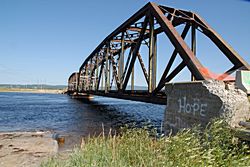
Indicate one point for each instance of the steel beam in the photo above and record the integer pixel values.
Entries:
(115, 74)
(121, 61)
(97, 73)
(133, 79)
(100, 76)
(193, 45)
(136, 29)
(90, 74)
(107, 71)
(125, 41)
(152, 56)
(103, 80)
(86, 78)
(143, 67)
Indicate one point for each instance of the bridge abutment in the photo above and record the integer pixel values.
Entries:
(198, 102)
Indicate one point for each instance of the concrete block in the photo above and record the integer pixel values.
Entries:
(198, 102)
(243, 80)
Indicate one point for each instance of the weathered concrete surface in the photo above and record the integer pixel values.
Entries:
(26, 149)
(198, 102)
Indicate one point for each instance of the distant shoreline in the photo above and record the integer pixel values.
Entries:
(52, 91)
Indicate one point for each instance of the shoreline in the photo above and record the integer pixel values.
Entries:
(26, 148)
(24, 90)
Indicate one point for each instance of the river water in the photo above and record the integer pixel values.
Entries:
(70, 117)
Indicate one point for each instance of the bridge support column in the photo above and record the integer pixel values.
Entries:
(200, 101)
(152, 56)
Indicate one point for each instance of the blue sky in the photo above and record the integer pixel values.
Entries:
(44, 41)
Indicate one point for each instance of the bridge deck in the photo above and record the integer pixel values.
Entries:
(137, 95)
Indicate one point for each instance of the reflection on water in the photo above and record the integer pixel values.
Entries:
(61, 114)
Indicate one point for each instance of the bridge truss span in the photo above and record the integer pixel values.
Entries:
(108, 70)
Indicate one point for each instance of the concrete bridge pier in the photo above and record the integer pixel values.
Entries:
(198, 102)
(82, 97)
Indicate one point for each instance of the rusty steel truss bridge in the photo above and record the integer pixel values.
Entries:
(108, 70)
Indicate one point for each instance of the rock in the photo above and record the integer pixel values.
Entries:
(235, 105)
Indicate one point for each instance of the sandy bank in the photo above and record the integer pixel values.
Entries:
(53, 91)
(26, 149)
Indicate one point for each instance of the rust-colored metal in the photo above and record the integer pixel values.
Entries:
(106, 62)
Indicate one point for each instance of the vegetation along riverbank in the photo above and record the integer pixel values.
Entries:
(214, 146)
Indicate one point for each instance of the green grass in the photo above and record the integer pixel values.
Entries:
(214, 146)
